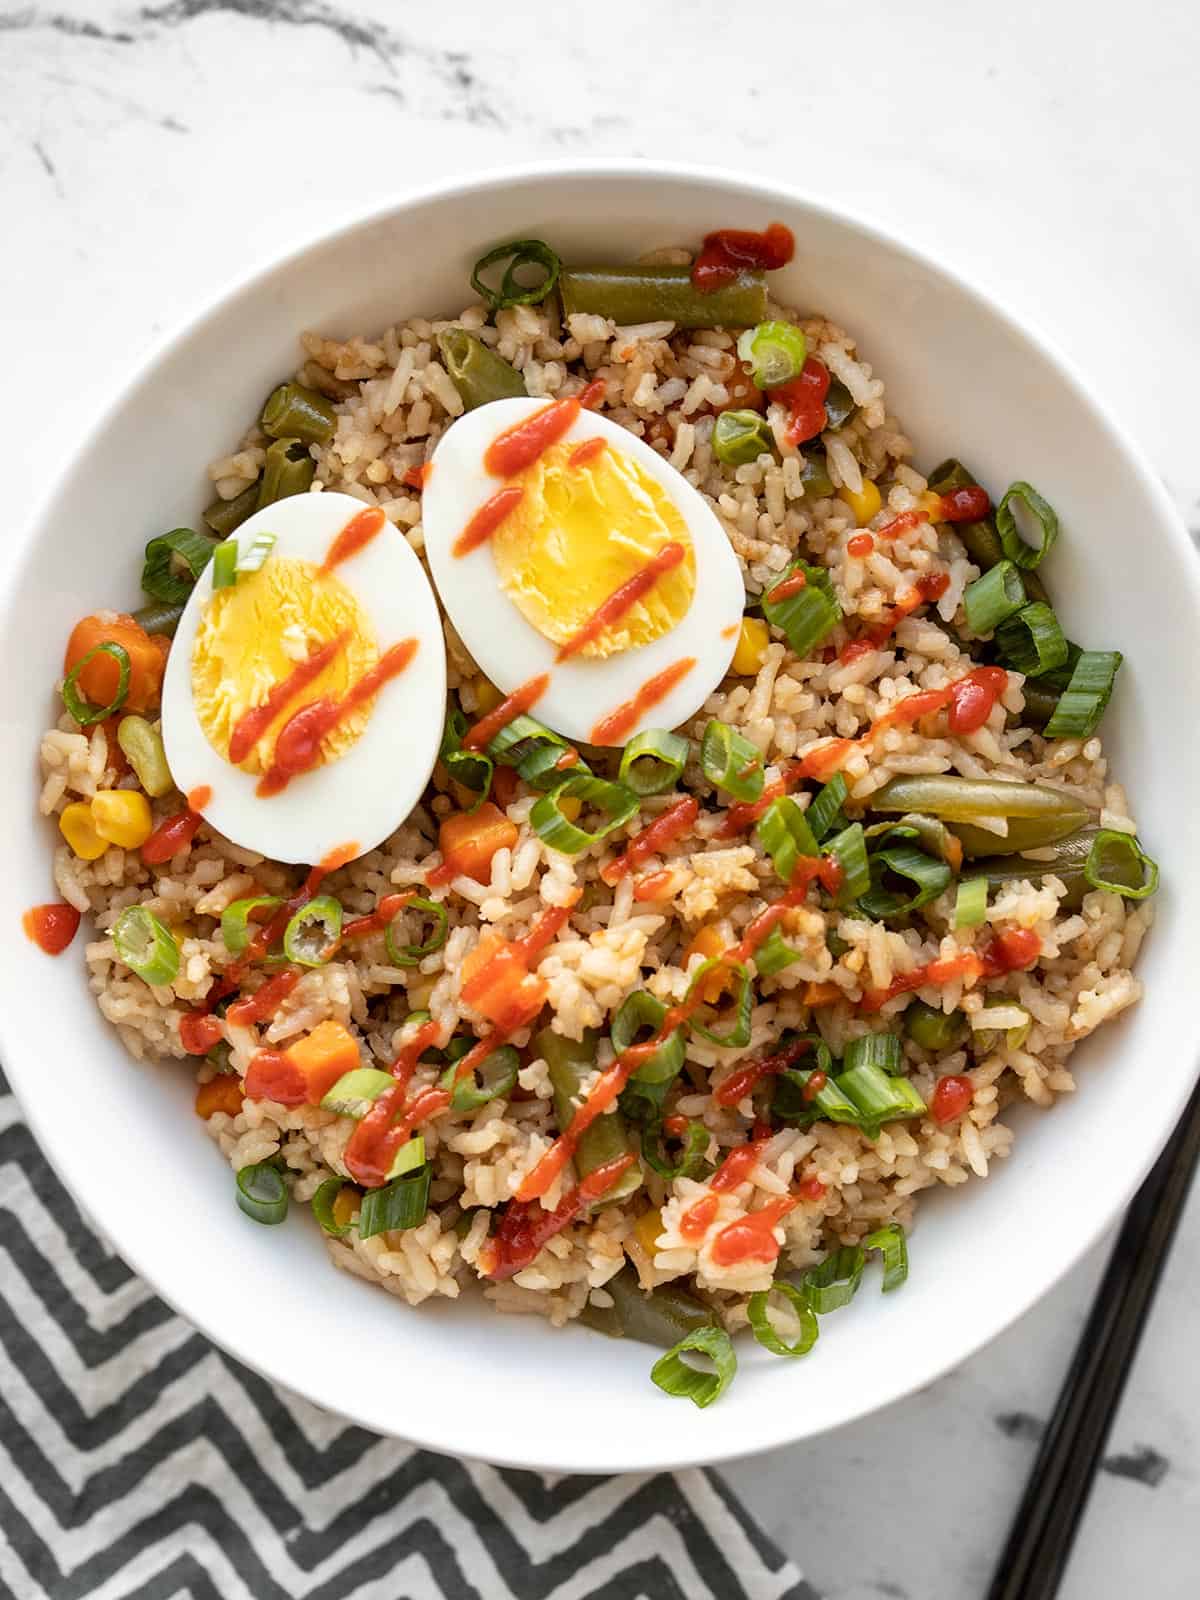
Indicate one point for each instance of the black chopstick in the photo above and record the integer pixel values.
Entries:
(1043, 1530)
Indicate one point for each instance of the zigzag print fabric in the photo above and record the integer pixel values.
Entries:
(140, 1463)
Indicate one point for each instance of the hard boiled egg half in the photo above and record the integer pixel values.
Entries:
(303, 701)
(596, 511)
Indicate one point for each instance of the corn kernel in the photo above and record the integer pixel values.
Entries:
(571, 805)
(487, 696)
(865, 504)
(122, 816)
(710, 943)
(646, 1230)
(931, 504)
(751, 651)
(79, 830)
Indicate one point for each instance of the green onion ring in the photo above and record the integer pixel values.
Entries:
(996, 595)
(825, 812)
(1041, 512)
(849, 850)
(764, 1331)
(775, 352)
(548, 822)
(970, 902)
(646, 1090)
(173, 563)
(511, 292)
(1085, 699)
(808, 615)
(675, 1376)
(494, 1078)
(653, 761)
(738, 1035)
(740, 437)
(1031, 641)
(906, 861)
(691, 1161)
(773, 954)
(224, 565)
(322, 913)
(785, 835)
(253, 558)
(834, 1282)
(83, 712)
(322, 1207)
(410, 955)
(1113, 854)
(399, 1205)
(882, 1050)
(891, 1244)
(731, 762)
(146, 945)
(262, 1193)
(235, 919)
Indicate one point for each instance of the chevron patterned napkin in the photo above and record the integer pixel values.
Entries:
(141, 1463)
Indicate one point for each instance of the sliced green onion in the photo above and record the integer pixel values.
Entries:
(1085, 699)
(400, 1204)
(146, 945)
(235, 919)
(764, 1330)
(1117, 863)
(262, 1193)
(643, 1013)
(519, 253)
(773, 954)
(690, 1162)
(879, 1097)
(794, 1102)
(143, 747)
(992, 598)
(740, 437)
(1031, 640)
(834, 1282)
(252, 559)
(893, 1247)
(542, 768)
(409, 955)
(294, 412)
(408, 1159)
(311, 937)
(785, 835)
(931, 833)
(738, 1033)
(513, 742)
(83, 712)
(970, 902)
(775, 352)
(322, 1207)
(1060, 677)
(173, 563)
(931, 1028)
(675, 1376)
(808, 614)
(1039, 518)
(471, 768)
(882, 1050)
(849, 850)
(730, 762)
(356, 1091)
(612, 799)
(494, 1078)
(224, 565)
(903, 861)
(653, 760)
(825, 812)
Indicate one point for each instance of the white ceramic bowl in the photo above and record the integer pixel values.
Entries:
(457, 1377)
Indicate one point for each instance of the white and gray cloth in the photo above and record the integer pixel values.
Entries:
(138, 1462)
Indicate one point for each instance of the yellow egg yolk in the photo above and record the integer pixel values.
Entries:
(579, 533)
(253, 637)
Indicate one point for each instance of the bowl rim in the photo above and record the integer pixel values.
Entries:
(773, 1430)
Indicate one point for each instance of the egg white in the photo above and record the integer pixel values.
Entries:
(365, 795)
(510, 650)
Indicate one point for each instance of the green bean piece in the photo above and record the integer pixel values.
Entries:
(157, 618)
(1067, 864)
(931, 1027)
(226, 516)
(981, 540)
(143, 747)
(1036, 815)
(662, 1317)
(571, 1062)
(660, 293)
(289, 470)
(294, 412)
(478, 373)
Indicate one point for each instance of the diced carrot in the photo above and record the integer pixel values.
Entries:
(219, 1094)
(822, 994)
(322, 1056)
(710, 943)
(98, 680)
(468, 841)
(504, 786)
(495, 981)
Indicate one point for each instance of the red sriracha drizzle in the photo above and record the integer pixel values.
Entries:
(728, 251)
(355, 536)
(615, 728)
(952, 1095)
(526, 1226)
(805, 400)
(623, 598)
(51, 927)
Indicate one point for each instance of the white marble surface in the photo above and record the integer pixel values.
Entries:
(151, 153)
